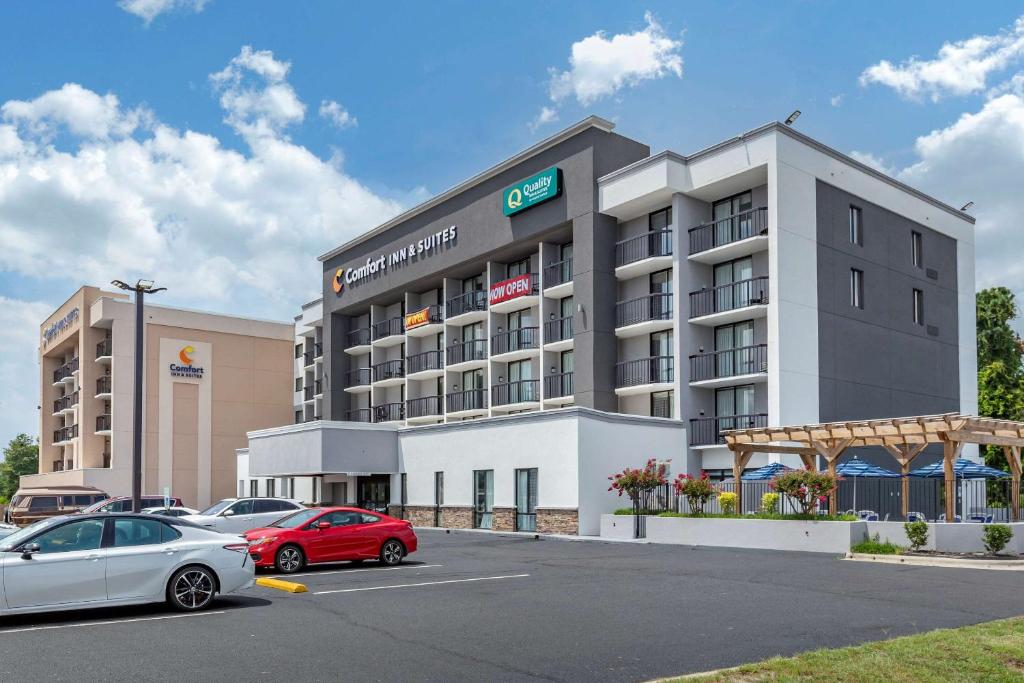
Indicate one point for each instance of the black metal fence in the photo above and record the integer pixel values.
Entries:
(559, 385)
(653, 370)
(515, 340)
(729, 297)
(470, 399)
(558, 273)
(359, 337)
(462, 352)
(643, 309)
(558, 329)
(745, 360)
(388, 328)
(705, 431)
(640, 247)
(521, 391)
(466, 303)
(728, 230)
(392, 369)
(424, 406)
(427, 360)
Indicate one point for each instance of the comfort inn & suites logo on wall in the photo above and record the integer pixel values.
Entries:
(338, 281)
(533, 191)
(186, 368)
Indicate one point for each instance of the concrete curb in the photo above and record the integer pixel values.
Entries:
(948, 562)
(530, 535)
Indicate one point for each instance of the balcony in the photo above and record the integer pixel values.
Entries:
(58, 465)
(741, 300)
(425, 322)
(425, 409)
(558, 279)
(722, 368)
(357, 342)
(318, 387)
(358, 415)
(516, 395)
(307, 359)
(307, 393)
(425, 365)
(389, 412)
(644, 375)
(466, 403)
(358, 381)
(66, 372)
(103, 387)
(103, 424)
(558, 389)
(730, 238)
(467, 355)
(65, 403)
(558, 334)
(389, 373)
(643, 254)
(104, 351)
(512, 345)
(318, 351)
(466, 308)
(65, 434)
(514, 293)
(644, 315)
(707, 431)
(389, 332)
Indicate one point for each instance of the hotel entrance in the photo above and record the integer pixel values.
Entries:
(374, 492)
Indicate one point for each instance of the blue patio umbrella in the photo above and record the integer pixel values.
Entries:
(769, 471)
(962, 469)
(857, 469)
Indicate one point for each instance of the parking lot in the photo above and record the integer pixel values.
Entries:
(473, 606)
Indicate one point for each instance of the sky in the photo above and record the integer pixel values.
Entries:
(218, 147)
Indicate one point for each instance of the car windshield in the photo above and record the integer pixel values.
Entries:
(296, 520)
(95, 507)
(217, 507)
(18, 537)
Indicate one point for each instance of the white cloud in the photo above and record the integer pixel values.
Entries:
(869, 159)
(545, 116)
(148, 10)
(81, 112)
(19, 337)
(836, 100)
(961, 68)
(256, 96)
(337, 114)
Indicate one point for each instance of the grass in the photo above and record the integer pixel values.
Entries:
(763, 515)
(876, 547)
(993, 651)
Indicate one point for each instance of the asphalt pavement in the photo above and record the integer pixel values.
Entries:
(481, 607)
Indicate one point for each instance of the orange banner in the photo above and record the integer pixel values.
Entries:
(421, 317)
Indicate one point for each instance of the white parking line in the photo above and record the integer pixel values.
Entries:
(112, 622)
(353, 571)
(425, 583)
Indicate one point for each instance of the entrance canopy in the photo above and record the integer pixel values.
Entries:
(904, 437)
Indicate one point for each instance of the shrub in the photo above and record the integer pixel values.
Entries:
(635, 481)
(807, 487)
(769, 503)
(728, 501)
(996, 536)
(874, 546)
(697, 491)
(917, 534)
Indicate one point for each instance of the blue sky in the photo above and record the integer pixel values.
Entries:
(226, 188)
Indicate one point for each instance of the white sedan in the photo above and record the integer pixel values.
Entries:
(170, 512)
(105, 560)
(236, 515)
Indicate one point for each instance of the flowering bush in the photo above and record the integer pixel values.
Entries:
(728, 501)
(769, 503)
(806, 487)
(697, 491)
(634, 481)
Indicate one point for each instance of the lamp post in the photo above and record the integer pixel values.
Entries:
(141, 288)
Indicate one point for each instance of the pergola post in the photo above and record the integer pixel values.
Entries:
(950, 452)
(1012, 454)
(905, 454)
(740, 458)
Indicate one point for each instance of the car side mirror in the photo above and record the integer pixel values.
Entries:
(227, 513)
(323, 525)
(28, 550)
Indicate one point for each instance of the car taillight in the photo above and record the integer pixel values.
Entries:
(237, 547)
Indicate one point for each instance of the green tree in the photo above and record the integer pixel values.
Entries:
(1000, 368)
(21, 456)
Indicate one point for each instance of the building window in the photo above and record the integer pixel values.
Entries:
(298, 384)
(661, 403)
(254, 488)
(526, 499)
(660, 220)
(483, 499)
(270, 488)
(298, 417)
(856, 288)
(917, 249)
(856, 226)
(298, 350)
(918, 307)
(520, 267)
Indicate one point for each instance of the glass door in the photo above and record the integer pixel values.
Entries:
(520, 388)
(661, 294)
(736, 227)
(483, 503)
(728, 338)
(526, 499)
(731, 273)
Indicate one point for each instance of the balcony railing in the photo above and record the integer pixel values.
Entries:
(318, 387)
(470, 399)
(558, 273)
(65, 402)
(427, 360)
(65, 433)
(66, 370)
(103, 384)
(435, 315)
(388, 328)
(461, 352)
(58, 465)
(466, 303)
(360, 377)
(104, 348)
(307, 358)
(745, 360)
(729, 297)
(728, 230)
(519, 391)
(520, 339)
(389, 412)
(557, 386)
(102, 423)
(358, 415)
(424, 406)
(307, 393)
(654, 370)
(358, 337)
(705, 431)
(558, 329)
(647, 245)
(318, 350)
(392, 369)
(643, 309)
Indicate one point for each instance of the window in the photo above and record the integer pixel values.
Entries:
(729, 360)
(84, 535)
(566, 361)
(298, 417)
(520, 267)
(731, 219)
(298, 350)
(368, 519)
(734, 401)
(856, 288)
(483, 499)
(129, 532)
(660, 220)
(526, 499)
(243, 507)
(565, 251)
(473, 284)
(270, 488)
(661, 403)
(254, 487)
(917, 249)
(298, 384)
(262, 506)
(918, 307)
(660, 286)
(341, 518)
(43, 503)
(856, 226)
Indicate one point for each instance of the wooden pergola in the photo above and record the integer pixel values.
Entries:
(904, 437)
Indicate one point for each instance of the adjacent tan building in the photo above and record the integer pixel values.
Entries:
(208, 380)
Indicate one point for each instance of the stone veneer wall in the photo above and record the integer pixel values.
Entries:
(558, 521)
(549, 520)
(503, 519)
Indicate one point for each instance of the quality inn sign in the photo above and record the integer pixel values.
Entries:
(532, 191)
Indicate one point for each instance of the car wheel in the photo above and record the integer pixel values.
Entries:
(289, 560)
(391, 552)
(192, 589)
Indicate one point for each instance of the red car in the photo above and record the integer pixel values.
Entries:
(330, 535)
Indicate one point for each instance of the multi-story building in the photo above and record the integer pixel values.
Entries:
(208, 379)
(586, 282)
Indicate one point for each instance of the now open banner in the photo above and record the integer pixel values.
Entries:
(515, 287)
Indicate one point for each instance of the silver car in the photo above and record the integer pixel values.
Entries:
(235, 515)
(104, 560)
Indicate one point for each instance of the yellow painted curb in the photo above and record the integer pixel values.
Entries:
(286, 586)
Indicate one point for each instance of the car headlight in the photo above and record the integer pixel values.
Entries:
(260, 541)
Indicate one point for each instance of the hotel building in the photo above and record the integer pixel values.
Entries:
(493, 354)
(208, 380)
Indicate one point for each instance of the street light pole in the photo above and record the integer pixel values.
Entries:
(140, 289)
